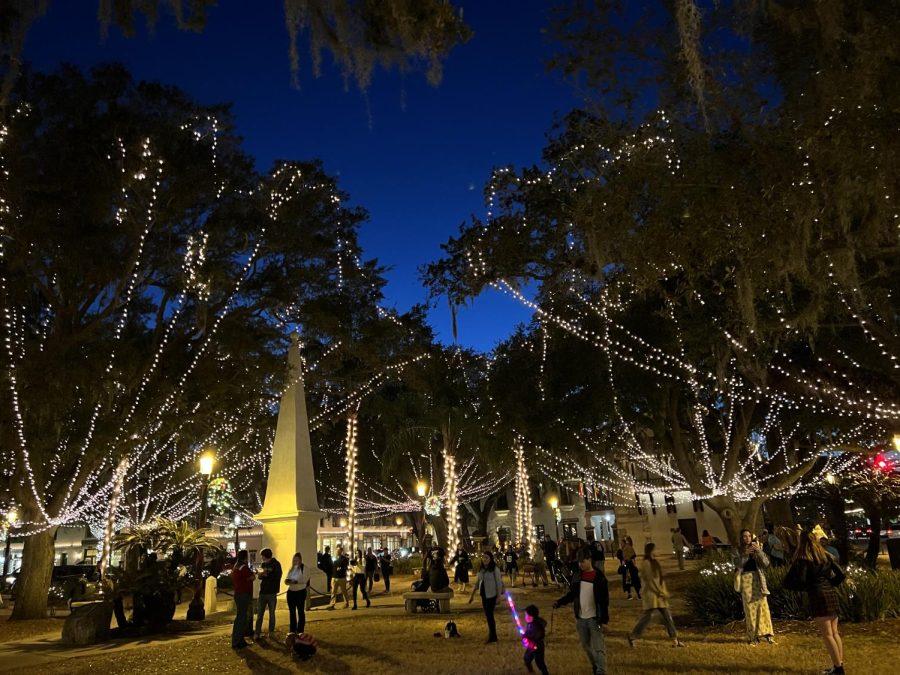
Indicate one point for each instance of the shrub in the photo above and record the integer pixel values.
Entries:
(409, 565)
(864, 596)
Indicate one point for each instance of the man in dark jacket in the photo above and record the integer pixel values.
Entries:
(339, 583)
(269, 584)
(549, 547)
(387, 569)
(590, 593)
(371, 566)
(326, 564)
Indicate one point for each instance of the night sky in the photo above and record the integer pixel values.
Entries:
(416, 157)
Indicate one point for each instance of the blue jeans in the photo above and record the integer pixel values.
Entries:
(591, 636)
(266, 600)
(239, 628)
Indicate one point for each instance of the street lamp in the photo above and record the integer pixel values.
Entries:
(897, 442)
(422, 489)
(398, 521)
(829, 478)
(196, 610)
(11, 517)
(207, 461)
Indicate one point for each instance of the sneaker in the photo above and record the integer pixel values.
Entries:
(678, 643)
(368, 603)
(490, 640)
(631, 642)
(771, 640)
(241, 645)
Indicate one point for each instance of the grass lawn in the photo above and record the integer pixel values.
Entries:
(384, 640)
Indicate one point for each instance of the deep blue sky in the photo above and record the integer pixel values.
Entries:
(416, 157)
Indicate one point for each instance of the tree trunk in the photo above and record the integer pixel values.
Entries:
(34, 581)
(874, 547)
(418, 523)
(735, 516)
(779, 512)
(838, 521)
(440, 530)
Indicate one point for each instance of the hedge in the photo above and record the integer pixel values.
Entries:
(864, 596)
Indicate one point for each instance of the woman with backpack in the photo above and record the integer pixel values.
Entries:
(814, 572)
(490, 584)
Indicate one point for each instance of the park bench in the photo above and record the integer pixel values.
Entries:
(442, 599)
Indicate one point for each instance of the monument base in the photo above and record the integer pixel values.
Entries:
(290, 533)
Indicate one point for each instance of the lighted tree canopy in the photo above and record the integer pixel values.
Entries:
(729, 263)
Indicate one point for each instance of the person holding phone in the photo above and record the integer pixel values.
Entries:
(750, 581)
(297, 581)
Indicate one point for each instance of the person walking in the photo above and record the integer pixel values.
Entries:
(242, 580)
(539, 567)
(326, 564)
(590, 594)
(750, 581)
(549, 547)
(371, 561)
(656, 597)
(776, 552)
(678, 543)
(358, 574)
(387, 569)
(339, 582)
(489, 584)
(269, 583)
(815, 572)
(461, 572)
(631, 578)
(533, 640)
(512, 564)
(297, 581)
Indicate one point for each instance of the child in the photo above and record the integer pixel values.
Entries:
(534, 639)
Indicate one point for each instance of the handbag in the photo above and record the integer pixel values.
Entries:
(621, 569)
(836, 575)
(377, 576)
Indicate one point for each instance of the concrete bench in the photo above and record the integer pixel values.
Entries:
(443, 600)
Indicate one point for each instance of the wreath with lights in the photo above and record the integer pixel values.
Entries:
(220, 497)
(433, 505)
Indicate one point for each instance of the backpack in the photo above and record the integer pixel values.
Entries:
(450, 630)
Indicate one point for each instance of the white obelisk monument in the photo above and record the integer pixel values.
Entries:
(290, 513)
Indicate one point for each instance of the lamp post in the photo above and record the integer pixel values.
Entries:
(196, 610)
(11, 517)
(422, 490)
(207, 461)
(554, 504)
(237, 528)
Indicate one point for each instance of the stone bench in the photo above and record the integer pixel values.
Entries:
(443, 600)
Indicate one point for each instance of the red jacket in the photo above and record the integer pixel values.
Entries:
(242, 579)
